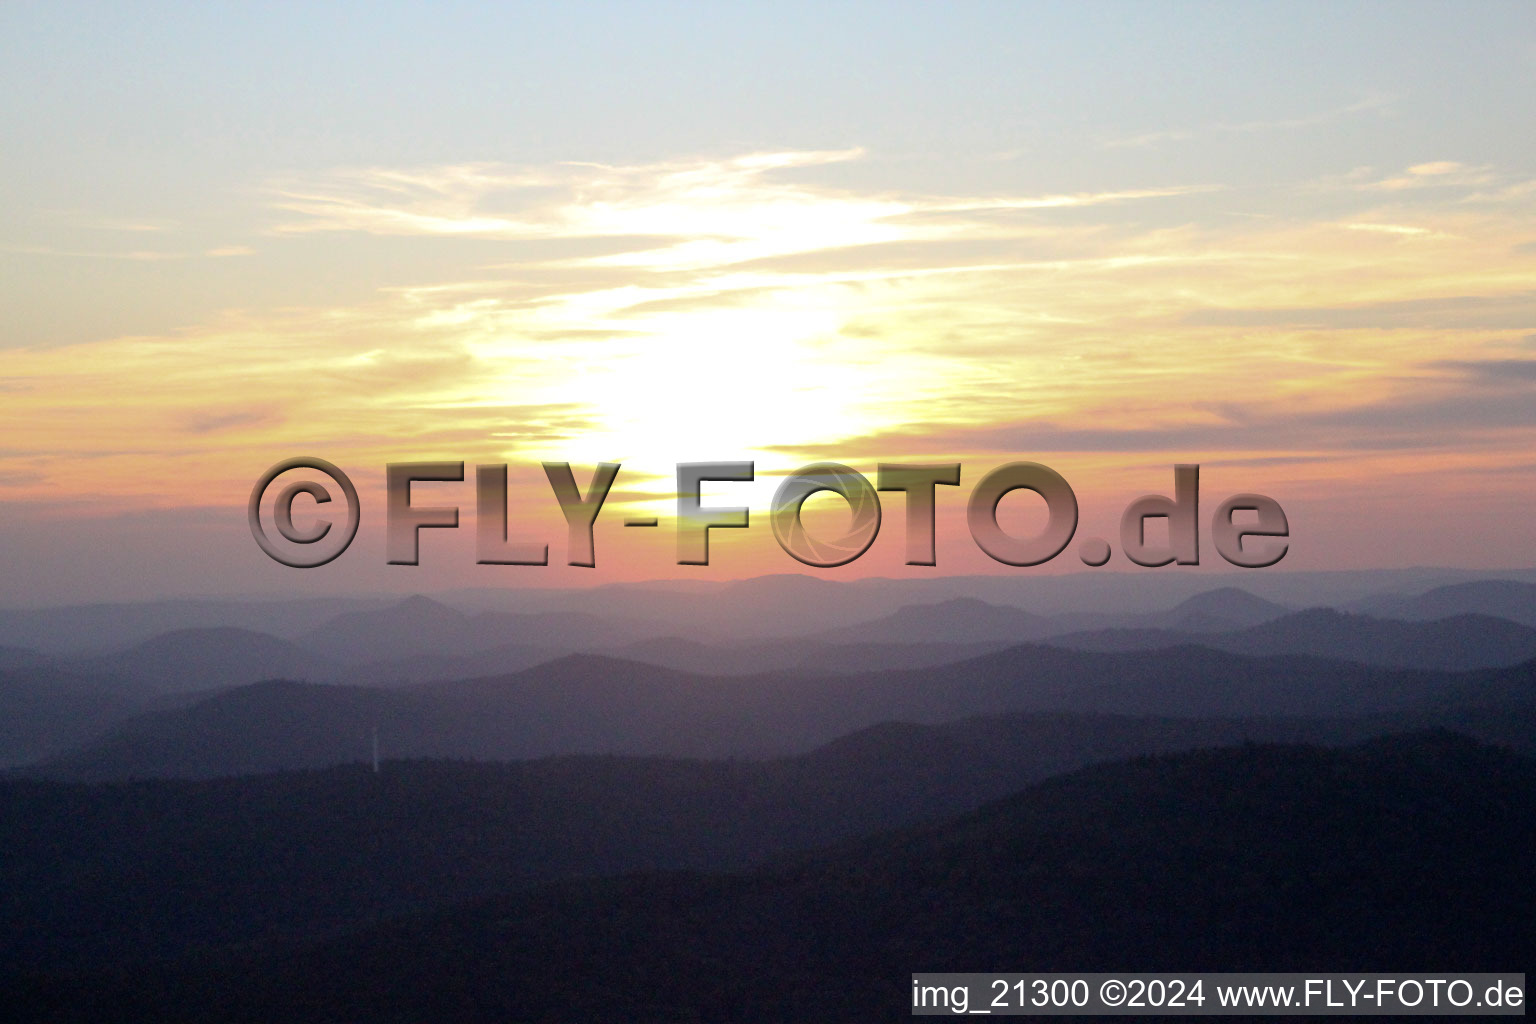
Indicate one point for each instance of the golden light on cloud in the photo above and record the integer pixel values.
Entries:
(737, 309)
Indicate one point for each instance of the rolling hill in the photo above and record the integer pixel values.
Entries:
(959, 620)
(1460, 643)
(1405, 854)
(592, 704)
(420, 626)
(1506, 599)
(1221, 609)
(299, 851)
(45, 712)
(208, 659)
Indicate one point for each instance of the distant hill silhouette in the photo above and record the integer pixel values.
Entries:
(801, 604)
(854, 658)
(1224, 608)
(1505, 599)
(791, 604)
(592, 704)
(959, 620)
(1459, 643)
(208, 659)
(1406, 854)
(421, 640)
(800, 654)
(421, 626)
(88, 629)
(967, 620)
(430, 668)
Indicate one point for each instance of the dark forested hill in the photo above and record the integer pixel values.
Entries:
(105, 871)
(45, 712)
(1407, 854)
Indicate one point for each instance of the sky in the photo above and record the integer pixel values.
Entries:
(1294, 244)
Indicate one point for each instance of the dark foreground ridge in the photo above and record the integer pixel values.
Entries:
(1407, 853)
(101, 873)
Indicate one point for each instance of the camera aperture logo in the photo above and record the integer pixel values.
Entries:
(1261, 540)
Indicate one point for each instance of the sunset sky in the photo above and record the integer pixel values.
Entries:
(1295, 244)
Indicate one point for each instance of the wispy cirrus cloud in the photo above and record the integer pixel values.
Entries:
(753, 307)
(674, 216)
(1452, 405)
(1434, 174)
(1513, 311)
(1376, 102)
(132, 255)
